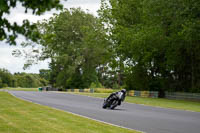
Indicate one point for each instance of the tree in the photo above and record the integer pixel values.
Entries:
(10, 31)
(45, 73)
(29, 80)
(158, 42)
(1, 84)
(77, 44)
(6, 78)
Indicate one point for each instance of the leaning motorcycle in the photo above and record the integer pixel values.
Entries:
(110, 102)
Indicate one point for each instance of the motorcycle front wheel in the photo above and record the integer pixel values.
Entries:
(105, 104)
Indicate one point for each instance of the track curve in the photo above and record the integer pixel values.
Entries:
(144, 118)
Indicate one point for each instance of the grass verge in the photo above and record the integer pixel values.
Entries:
(157, 102)
(18, 116)
(20, 89)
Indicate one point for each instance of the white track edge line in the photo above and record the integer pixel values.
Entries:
(78, 114)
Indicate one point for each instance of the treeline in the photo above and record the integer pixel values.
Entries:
(26, 80)
(159, 41)
(134, 44)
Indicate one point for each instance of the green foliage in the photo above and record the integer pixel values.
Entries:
(37, 7)
(103, 90)
(45, 74)
(20, 80)
(96, 85)
(158, 41)
(1, 84)
(6, 78)
(29, 80)
(77, 45)
(116, 86)
(139, 44)
(5, 85)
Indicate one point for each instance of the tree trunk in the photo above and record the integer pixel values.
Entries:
(192, 70)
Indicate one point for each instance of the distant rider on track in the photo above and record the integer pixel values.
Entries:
(115, 96)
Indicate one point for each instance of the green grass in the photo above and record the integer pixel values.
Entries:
(18, 116)
(20, 89)
(158, 102)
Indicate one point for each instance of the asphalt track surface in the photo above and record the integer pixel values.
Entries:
(139, 117)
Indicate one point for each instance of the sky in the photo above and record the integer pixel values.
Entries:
(15, 64)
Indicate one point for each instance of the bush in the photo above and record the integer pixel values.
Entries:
(116, 86)
(1, 84)
(96, 85)
(103, 90)
(5, 85)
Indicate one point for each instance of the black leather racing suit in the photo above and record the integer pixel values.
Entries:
(120, 96)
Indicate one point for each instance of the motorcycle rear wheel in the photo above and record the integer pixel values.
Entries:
(114, 104)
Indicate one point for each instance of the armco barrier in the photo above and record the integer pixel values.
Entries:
(137, 93)
(76, 90)
(153, 94)
(80, 90)
(86, 90)
(131, 93)
(91, 90)
(144, 93)
(182, 95)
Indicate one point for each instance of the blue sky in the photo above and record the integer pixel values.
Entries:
(14, 64)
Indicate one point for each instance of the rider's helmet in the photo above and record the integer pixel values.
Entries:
(124, 91)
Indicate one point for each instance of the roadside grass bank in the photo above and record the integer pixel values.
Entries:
(18, 116)
(156, 102)
(19, 89)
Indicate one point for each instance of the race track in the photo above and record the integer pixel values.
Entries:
(144, 118)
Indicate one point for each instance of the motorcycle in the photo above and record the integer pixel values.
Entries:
(111, 102)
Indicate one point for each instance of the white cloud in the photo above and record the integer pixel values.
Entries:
(17, 14)
(91, 5)
(14, 64)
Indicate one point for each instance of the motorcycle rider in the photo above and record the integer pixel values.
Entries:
(120, 96)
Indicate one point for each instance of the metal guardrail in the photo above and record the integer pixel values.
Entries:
(182, 95)
(152, 94)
